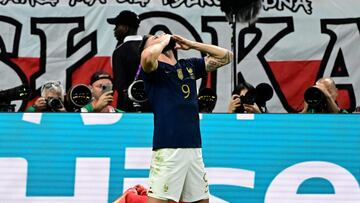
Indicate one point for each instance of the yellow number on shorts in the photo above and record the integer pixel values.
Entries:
(186, 90)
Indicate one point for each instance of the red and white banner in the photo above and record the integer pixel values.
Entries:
(293, 43)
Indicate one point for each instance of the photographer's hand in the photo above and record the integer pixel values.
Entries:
(252, 108)
(234, 103)
(62, 109)
(40, 104)
(306, 108)
(104, 100)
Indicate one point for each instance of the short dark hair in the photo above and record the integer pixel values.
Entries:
(242, 86)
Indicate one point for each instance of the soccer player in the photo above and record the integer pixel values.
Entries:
(177, 169)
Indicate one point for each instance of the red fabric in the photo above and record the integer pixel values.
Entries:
(136, 194)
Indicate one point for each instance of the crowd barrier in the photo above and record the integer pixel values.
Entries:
(272, 158)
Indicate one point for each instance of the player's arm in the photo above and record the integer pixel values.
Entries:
(216, 56)
(149, 57)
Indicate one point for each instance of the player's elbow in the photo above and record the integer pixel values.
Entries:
(147, 62)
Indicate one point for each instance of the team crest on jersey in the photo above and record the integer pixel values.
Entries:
(180, 74)
(191, 73)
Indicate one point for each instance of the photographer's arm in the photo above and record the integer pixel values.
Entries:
(252, 108)
(332, 106)
(234, 103)
(305, 109)
(216, 56)
(104, 100)
(40, 104)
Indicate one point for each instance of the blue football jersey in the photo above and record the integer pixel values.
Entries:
(171, 90)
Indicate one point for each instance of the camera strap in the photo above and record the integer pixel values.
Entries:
(137, 73)
(136, 90)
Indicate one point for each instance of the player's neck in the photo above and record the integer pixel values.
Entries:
(168, 57)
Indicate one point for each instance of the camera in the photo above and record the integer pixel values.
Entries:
(54, 104)
(77, 97)
(136, 91)
(206, 100)
(315, 98)
(16, 93)
(259, 95)
(248, 98)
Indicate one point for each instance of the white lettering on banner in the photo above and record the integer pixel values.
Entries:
(87, 118)
(42, 2)
(91, 182)
(246, 116)
(88, 2)
(31, 2)
(59, 53)
(9, 46)
(190, 3)
(285, 185)
(344, 41)
(142, 3)
(32, 118)
(5, 69)
(292, 5)
(140, 158)
(276, 29)
(100, 118)
(8, 34)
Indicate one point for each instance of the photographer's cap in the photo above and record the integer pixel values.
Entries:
(126, 17)
(100, 75)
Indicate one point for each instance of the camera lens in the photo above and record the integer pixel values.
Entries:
(314, 96)
(80, 95)
(54, 103)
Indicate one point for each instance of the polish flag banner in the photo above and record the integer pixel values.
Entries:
(291, 45)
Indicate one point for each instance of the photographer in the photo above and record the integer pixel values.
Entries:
(321, 98)
(243, 99)
(102, 91)
(51, 100)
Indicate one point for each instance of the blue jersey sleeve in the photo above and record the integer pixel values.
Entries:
(148, 76)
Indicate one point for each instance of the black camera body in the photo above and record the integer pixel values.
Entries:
(21, 92)
(249, 98)
(54, 104)
(259, 95)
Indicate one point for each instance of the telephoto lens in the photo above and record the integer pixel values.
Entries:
(77, 97)
(314, 96)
